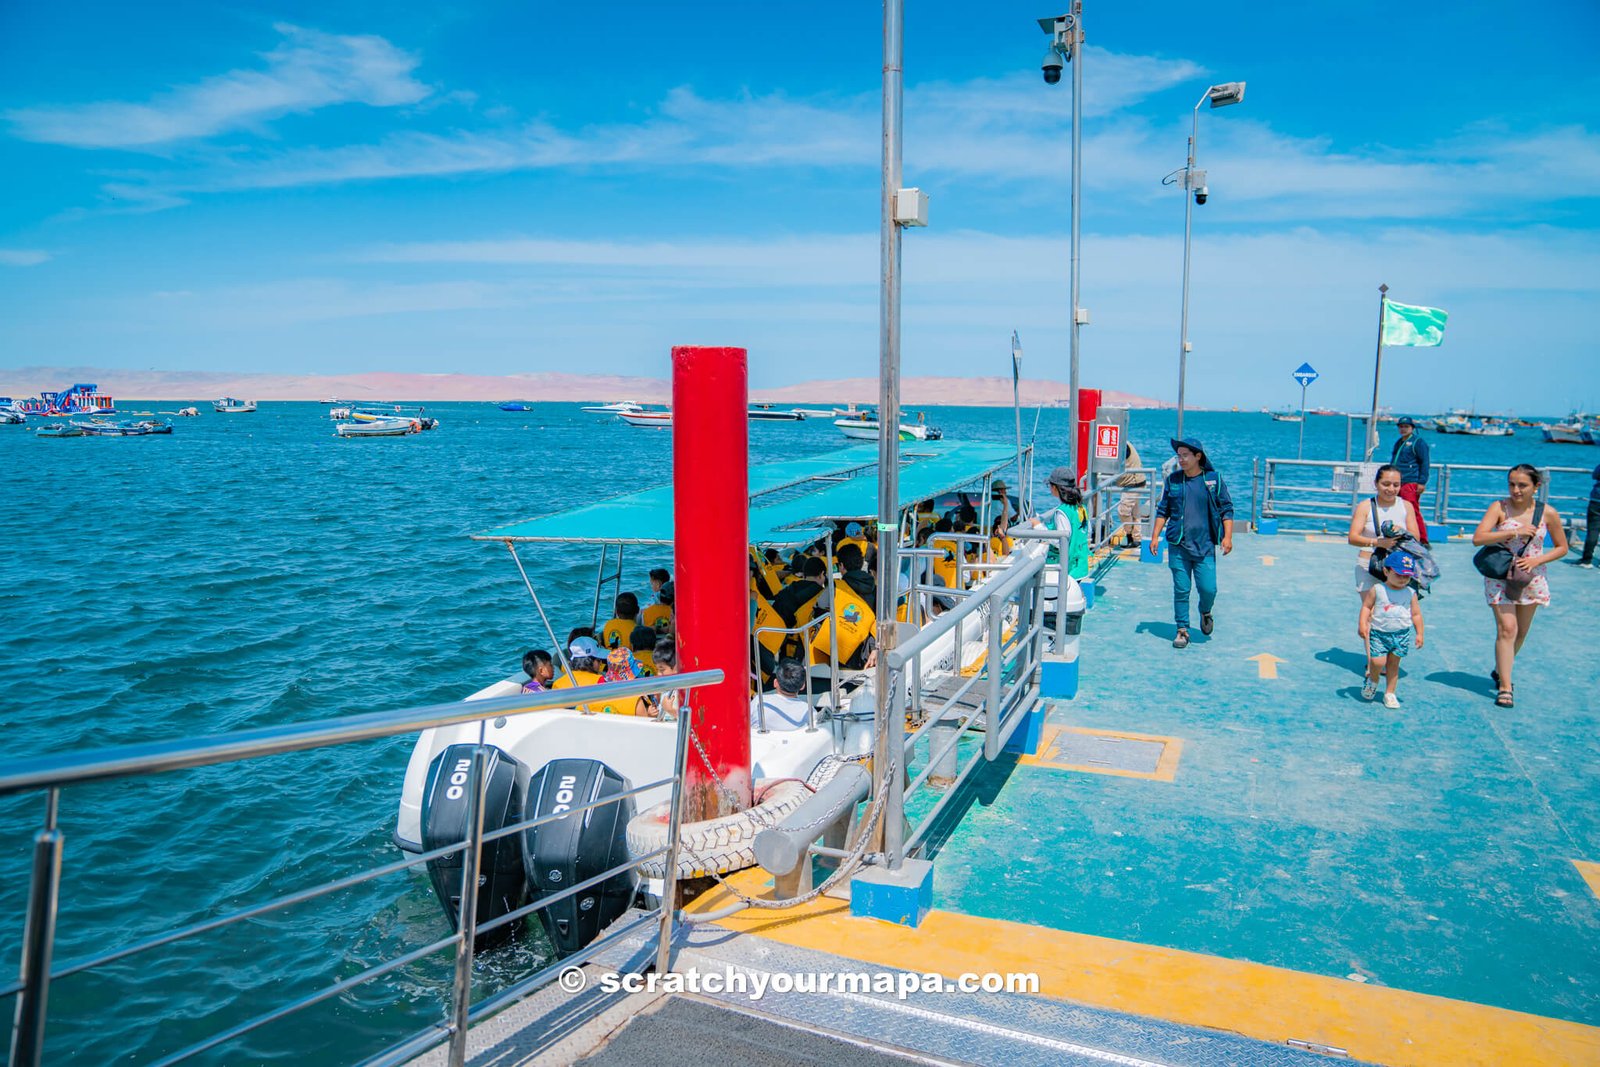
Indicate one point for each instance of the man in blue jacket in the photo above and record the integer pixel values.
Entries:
(1196, 513)
(1410, 454)
(1591, 524)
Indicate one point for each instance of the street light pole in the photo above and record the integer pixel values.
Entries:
(1195, 192)
(1066, 46)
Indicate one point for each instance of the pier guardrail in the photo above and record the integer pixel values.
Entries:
(1323, 493)
(1103, 501)
(1001, 688)
(51, 774)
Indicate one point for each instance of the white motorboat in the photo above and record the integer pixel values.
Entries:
(230, 406)
(598, 747)
(867, 430)
(616, 408)
(767, 413)
(1286, 416)
(650, 420)
(380, 428)
(1489, 428)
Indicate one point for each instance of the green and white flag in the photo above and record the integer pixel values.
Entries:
(1410, 324)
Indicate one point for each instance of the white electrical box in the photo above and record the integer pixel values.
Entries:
(1082, 316)
(911, 207)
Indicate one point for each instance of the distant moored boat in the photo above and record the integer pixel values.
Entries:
(231, 406)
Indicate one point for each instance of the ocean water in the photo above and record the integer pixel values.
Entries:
(253, 570)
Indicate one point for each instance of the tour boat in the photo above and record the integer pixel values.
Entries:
(230, 406)
(397, 427)
(866, 429)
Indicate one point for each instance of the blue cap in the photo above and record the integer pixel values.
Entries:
(852, 529)
(1402, 563)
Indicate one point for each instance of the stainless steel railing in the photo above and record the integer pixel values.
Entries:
(1103, 500)
(1322, 493)
(1010, 608)
(52, 774)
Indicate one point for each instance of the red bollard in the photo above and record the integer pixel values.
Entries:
(711, 530)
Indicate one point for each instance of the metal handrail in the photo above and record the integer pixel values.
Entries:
(52, 773)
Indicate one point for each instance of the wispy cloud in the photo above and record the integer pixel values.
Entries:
(22, 257)
(306, 71)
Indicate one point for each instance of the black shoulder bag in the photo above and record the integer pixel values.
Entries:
(1494, 561)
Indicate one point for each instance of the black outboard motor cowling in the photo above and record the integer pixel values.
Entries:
(562, 853)
(502, 883)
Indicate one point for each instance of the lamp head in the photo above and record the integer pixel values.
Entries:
(1225, 94)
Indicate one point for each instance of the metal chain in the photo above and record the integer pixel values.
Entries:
(729, 797)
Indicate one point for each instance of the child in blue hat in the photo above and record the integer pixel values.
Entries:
(1390, 615)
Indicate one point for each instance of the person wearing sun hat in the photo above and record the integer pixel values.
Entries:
(1196, 513)
(854, 534)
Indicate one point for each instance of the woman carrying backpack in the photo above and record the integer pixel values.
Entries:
(1518, 523)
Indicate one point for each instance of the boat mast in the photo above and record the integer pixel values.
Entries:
(888, 711)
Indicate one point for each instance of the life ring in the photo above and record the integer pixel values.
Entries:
(714, 845)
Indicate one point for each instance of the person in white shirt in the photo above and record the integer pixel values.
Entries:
(785, 708)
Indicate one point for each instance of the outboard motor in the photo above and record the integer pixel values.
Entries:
(573, 849)
(502, 885)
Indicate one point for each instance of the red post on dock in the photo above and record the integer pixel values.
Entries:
(1088, 408)
(711, 530)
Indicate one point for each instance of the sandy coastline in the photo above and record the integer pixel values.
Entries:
(136, 385)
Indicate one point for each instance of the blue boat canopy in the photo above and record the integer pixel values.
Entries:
(791, 501)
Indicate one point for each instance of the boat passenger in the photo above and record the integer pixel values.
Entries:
(536, 664)
(853, 571)
(659, 576)
(785, 708)
(1379, 524)
(793, 599)
(665, 705)
(999, 537)
(615, 634)
(643, 643)
(658, 616)
(1196, 513)
(588, 662)
(580, 631)
(853, 536)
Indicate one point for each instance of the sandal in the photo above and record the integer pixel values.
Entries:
(1503, 699)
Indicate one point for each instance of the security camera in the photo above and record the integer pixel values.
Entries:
(1052, 67)
(1200, 194)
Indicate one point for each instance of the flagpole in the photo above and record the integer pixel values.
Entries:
(1377, 373)
(1016, 400)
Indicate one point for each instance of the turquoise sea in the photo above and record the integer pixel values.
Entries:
(253, 570)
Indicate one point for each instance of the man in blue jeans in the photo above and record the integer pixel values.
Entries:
(1196, 513)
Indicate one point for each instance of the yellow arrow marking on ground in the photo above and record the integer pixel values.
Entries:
(1267, 561)
(1266, 664)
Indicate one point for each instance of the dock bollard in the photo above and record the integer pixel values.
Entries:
(1058, 674)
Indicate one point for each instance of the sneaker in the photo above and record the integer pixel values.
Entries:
(1182, 640)
(1369, 690)
(1390, 700)
(1585, 565)
(1205, 624)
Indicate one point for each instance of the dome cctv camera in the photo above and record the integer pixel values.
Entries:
(1052, 67)
(1200, 194)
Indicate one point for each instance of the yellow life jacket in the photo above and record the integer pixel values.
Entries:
(854, 619)
(588, 678)
(945, 567)
(857, 541)
(999, 546)
(617, 632)
(648, 659)
(658, 617)
(766, 615)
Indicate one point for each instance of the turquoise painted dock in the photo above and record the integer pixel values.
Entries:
(1439, 849)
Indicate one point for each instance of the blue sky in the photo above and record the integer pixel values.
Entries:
(512, 187)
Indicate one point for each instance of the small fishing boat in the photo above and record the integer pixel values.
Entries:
(189, 413)
(339, 414)
(650, 420)
(232, 406)
(59, 429)
(616, 408)
(381, 428)
(9, 417)
(1489, 428)
(515, 405)
(866, 429)
(1286, 416)
(1570, 432)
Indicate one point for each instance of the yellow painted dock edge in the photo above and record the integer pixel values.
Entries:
(1373, 1023)
(1590, 873)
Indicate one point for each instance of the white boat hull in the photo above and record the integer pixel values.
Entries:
(655, 420)
(863, 430)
